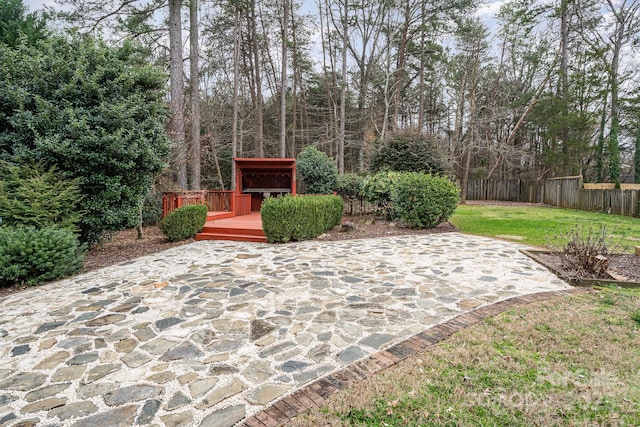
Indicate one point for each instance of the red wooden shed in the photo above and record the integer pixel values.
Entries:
(261, 178)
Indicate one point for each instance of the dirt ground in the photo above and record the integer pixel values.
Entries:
(125, 245)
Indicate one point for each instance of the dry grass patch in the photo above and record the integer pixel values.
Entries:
(571, 361)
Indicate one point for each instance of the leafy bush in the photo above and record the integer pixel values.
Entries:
(298, 218)
(184, 222)
(377, 190)
(97, 113)
(31, 196)
(410, 151)
(152, 209)
(423, 201)
(32, 256)
(316, 172)
(350, 185)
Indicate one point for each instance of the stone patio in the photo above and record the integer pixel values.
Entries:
(212, 333)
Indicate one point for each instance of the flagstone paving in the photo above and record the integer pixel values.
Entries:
(210, 333)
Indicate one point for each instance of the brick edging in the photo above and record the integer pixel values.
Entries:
(315, 393)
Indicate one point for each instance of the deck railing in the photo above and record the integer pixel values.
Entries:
(219, 200)
(215, 200)
(242, 204)
(172, 200)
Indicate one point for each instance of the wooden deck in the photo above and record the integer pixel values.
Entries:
(245, 228)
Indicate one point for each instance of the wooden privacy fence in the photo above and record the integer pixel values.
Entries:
(566, 192)
(358, 206)
(510, 190)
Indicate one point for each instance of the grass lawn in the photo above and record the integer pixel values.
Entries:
(571, 361)
(538, 226)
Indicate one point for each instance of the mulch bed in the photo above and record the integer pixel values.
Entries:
(622, 265)
(125, 245)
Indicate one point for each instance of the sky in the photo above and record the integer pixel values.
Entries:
(487, 11)
(36, 4)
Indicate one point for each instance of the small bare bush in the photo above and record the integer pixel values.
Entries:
(586, 251)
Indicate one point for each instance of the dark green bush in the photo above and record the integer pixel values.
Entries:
(377, 190)
(316, 172)
(32, 256)
(184, 222)
(95, 111)
(33, 196)
(410, 151)
(350, 185)
(423, 201)
(152, 209)
(298, 218)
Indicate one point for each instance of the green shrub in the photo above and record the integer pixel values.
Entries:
(423, 201)
(298, 218)
(152, 209)
(377, 190)
(95, 111)
(33, 196)
(350, 185)
(316, 172)
(32, 256)
(410, 151)
(184, 222)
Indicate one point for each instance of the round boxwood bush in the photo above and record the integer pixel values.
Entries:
(423, 201)
(32, 256)
(184, 222)
(350, 185)
(316, 172)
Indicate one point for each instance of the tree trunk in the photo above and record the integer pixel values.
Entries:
(194, 72)
(236, 100)
(177, 92)
(139, 227)
(343, 90)
(600, 148)
(614, 148)
(283, 82)
(259, 130)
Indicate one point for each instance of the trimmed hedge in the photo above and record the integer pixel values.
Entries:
(423, 201)
(184, 222)
(298, 218)
(33, 256)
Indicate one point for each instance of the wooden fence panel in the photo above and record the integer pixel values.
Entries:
(513, 190)
(566, 192)
(358, 206)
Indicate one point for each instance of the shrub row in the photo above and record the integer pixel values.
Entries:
(32, 256)
(184, 222)
(298, 218)
(419, 200)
